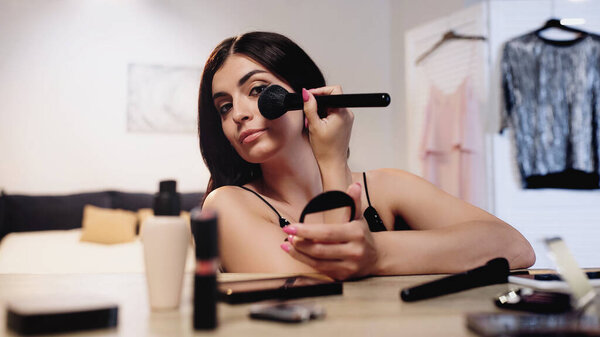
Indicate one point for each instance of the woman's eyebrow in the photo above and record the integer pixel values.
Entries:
(218, 94)
(248, 75)
(240, 82)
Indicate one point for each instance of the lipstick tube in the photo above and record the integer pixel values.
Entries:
(205, 231)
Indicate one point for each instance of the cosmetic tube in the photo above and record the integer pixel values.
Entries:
(166, 238)
(204, 229)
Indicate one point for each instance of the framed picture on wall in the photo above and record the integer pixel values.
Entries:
(162, 99)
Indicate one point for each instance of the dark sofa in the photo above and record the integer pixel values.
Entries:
(23, 213)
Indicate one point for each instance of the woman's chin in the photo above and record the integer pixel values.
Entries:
(258, 156)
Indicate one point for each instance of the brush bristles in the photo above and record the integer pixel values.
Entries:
(271, 102)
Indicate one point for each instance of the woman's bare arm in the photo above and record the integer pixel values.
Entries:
(457, 235)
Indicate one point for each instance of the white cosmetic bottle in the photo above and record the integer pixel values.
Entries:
(165, 238)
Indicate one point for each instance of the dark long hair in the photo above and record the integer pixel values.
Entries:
(281, 56)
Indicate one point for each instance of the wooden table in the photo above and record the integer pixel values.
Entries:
(369, 307)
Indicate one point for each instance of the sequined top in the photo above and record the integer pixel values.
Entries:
(552, 102)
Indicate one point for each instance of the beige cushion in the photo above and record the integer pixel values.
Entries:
(103, 225)
(143, 214)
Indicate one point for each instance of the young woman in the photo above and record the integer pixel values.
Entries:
(263, 173)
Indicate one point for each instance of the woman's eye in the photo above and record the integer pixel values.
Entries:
(256, 91)
(223, 109)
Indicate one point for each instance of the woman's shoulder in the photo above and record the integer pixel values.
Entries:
(234, 203)
(223, 196)
(396, 183)
(387, 175)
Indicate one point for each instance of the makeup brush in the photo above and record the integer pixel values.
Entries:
(494, 272)
(274, 101)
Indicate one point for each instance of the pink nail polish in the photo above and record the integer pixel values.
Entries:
(285, 247)
(290, 230)
(290, 238)
(305, 95)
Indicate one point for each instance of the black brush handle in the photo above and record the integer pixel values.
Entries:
(295, 102)
(354, 100)
(494, 272)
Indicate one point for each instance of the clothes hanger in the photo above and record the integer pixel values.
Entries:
(449, 35)
(555, 23)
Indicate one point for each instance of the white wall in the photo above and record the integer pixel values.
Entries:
(63, 83)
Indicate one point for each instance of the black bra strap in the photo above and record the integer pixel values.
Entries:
(370, 214)
(282, 221)
(366, 189)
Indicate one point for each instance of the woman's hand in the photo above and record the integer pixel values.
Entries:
(339, 250)
(329, 136)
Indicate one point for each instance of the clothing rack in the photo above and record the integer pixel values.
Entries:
(448, 36)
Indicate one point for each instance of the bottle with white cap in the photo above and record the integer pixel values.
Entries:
(165, 237)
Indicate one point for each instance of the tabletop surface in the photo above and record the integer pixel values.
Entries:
(368, 307)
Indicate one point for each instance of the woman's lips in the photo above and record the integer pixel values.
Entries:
(249, 136)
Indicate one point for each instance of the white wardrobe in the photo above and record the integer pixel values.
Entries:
(573, 215)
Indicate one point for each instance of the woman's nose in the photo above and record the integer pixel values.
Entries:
(243, 111)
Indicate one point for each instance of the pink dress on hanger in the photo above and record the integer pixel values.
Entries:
(452, 146)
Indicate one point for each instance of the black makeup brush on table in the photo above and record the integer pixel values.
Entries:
(493, 272)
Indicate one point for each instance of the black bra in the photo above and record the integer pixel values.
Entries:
(370, 214)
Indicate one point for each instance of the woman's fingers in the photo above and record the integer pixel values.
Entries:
(327, 251)
(310, 107)
(339, 250)
(326, 233)
(354, 191)
(329, 90)
(310, 103)
(337, 269)
(320, 251)
(311, 261)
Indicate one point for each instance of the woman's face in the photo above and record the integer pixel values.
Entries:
(236, 88)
